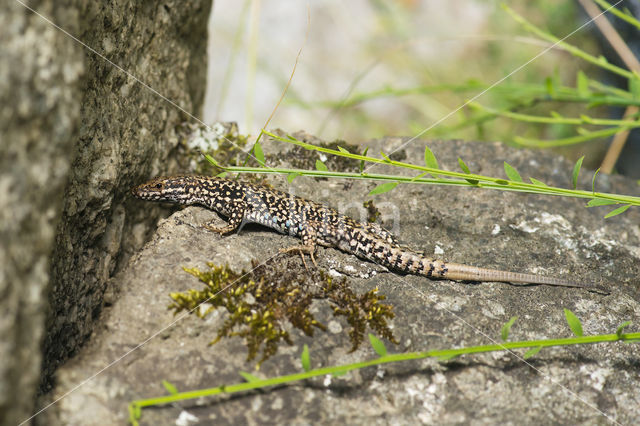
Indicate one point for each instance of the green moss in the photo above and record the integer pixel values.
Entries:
(261, 302)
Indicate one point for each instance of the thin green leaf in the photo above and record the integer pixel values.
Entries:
(382, 188)
(576, 172)
(549, 85)
(248, 377)
(621, 327)
(342, 150)
(362, 161)
(593, 181)
(506, 328)
(512, 173)
(222, 174)
(387, 159)
(465, 169)
(537, 182)
(339, 373)
(502, 182)
(292, 176)
(617, 211)
(430, 159)
(634, 88)
(170, 387)
(257, 151)
(531, 352)
(600, 202)
(378, 346)
(305, 358)
(321, 166)
(574, 322)
(582, 84)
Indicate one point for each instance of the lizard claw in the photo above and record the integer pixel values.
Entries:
(302, 250)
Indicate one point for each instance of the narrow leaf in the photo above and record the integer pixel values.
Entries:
(387, 159)
(465, 169)
(502, 182)
(506, 328)
(170, 387)
(512, 173)
(617, 211)
(248, 377)
(137, 411)
(576, 172)
(291, 176)
(257, 151)
(463, 166)
(305, 358)
(378, 346)
(321, 166)
(593, 181)
(582, 84)
(537, 182)
(574, 322)
(621, 327)
(339, 373)
(342, 150)
(362, 161)
(600, 202)
(549, 85)
(382, 188)
(221, 174)
(531, 352)
(430, 159)
(634, 88)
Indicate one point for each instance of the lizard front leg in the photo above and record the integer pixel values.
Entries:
(237, 211)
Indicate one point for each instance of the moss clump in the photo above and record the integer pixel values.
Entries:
(260, 303)
(373, 214)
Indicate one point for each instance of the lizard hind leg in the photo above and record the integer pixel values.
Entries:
(308, 246)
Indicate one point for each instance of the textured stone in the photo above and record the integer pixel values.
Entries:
(495, 229)
(128, 133)
(75, 133)
(40, 70)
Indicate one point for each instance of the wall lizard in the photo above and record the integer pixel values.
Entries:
(316, 224)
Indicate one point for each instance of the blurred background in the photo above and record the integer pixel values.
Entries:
(371, 68)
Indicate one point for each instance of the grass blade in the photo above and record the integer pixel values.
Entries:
(576, 171)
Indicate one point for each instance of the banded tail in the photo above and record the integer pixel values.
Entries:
(406, 261)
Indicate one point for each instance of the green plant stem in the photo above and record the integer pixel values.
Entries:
(572, 140)
(462, 178)
(556, 120)
(341, 369)
(600, 62)
(625, 17)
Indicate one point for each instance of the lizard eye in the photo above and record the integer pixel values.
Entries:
(158, 186)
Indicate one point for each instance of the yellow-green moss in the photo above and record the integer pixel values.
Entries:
(259, 304)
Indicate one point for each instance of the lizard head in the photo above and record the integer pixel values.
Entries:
(174, 189)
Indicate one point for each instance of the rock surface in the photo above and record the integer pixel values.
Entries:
(140, 343)
(40, 71)
(128, 133)
(75, 134)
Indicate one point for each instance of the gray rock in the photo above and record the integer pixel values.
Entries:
(128, 133)
(140, 343)
(76, 133)
(40, 72)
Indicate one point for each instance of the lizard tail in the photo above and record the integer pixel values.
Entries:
(412, 263)
(455, 271)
